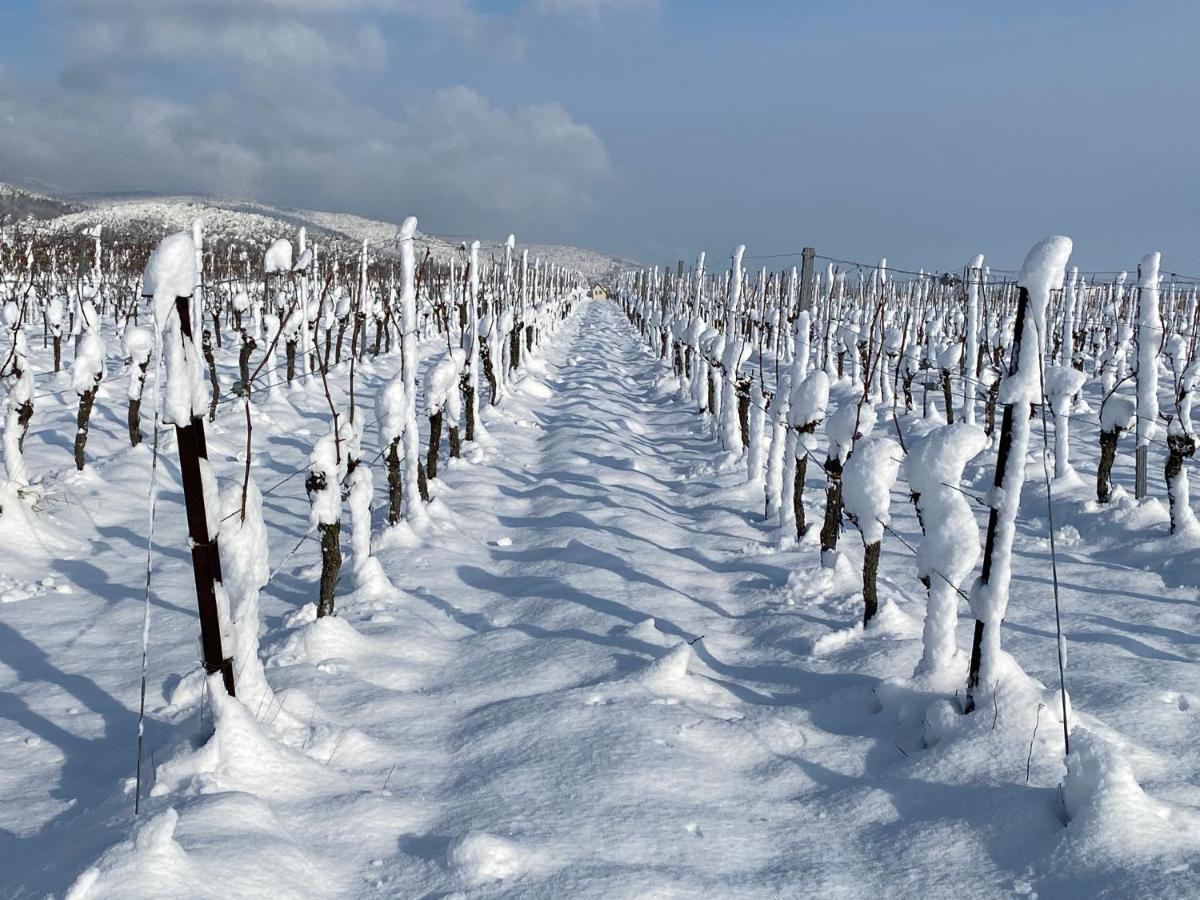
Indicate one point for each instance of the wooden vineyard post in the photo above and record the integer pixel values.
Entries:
(998, 483)
(806, 278)
(1140, 464)
(206, 556)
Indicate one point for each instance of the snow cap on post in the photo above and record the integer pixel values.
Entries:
(1149, 338)
(278, 257)
(1044, 269)
(408, 228)
(735, 287)
(170, 273)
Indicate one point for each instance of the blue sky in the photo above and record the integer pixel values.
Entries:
(920, 131)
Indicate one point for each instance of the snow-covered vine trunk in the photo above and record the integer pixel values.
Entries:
(471, 382)
(778, 412)
(869, 476)
(326, 469)
(756, 422)
(19, 376)
(139, 343)
(1116, 416)
(853, 419)
(1181, 434)
(414, 489)
(211, 362)
(950, 538)
(1149, 339)
(971, 351)
(730, 423)
(1042, 272)
(809, 400)
(245, 573)
(87, 371)
(1181, 445)
(1062, 384)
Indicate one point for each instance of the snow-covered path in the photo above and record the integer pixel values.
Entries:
(597, 676)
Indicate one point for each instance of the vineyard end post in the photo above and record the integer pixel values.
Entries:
(206, 555)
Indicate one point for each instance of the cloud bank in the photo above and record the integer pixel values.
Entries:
(252, 105)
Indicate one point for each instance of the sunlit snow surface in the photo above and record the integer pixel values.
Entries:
(595, 674)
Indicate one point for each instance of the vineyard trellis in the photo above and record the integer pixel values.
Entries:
(780, 353)
(852, 373)
(195, 299)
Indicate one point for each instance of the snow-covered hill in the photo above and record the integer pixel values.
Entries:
(18, 203)
(244, 221)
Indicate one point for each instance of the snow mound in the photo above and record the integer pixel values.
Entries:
(668, 673)
(18, 525)
(646, 631)
(820, 583)
(152, 863)
(325, 639)
(535, 389)
(242, 756)
(478, 858)
(1100, 789)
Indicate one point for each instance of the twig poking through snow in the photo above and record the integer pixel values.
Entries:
(1037, 721)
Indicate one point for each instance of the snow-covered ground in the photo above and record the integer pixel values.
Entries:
(258, 224)
(596, 673)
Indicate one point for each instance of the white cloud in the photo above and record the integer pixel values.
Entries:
(265, 34)
(449, 156)
(258, 42)
(263, 114)
(593, 9)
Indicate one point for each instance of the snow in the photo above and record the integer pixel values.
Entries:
(1042, 272)
(852, 421)
(87, 370)
(170, 272)
(1117, 412)
(278, 258)
(327, 465)
(1149, 338)
(867, 485)
(478, 859)
(139, 344)
(809, 400)
(245, 570)
(950, 540)
(593, 672)
(186, 390)
(442, 380)
(1103, 800)
(391, 409)
(1062, 384)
